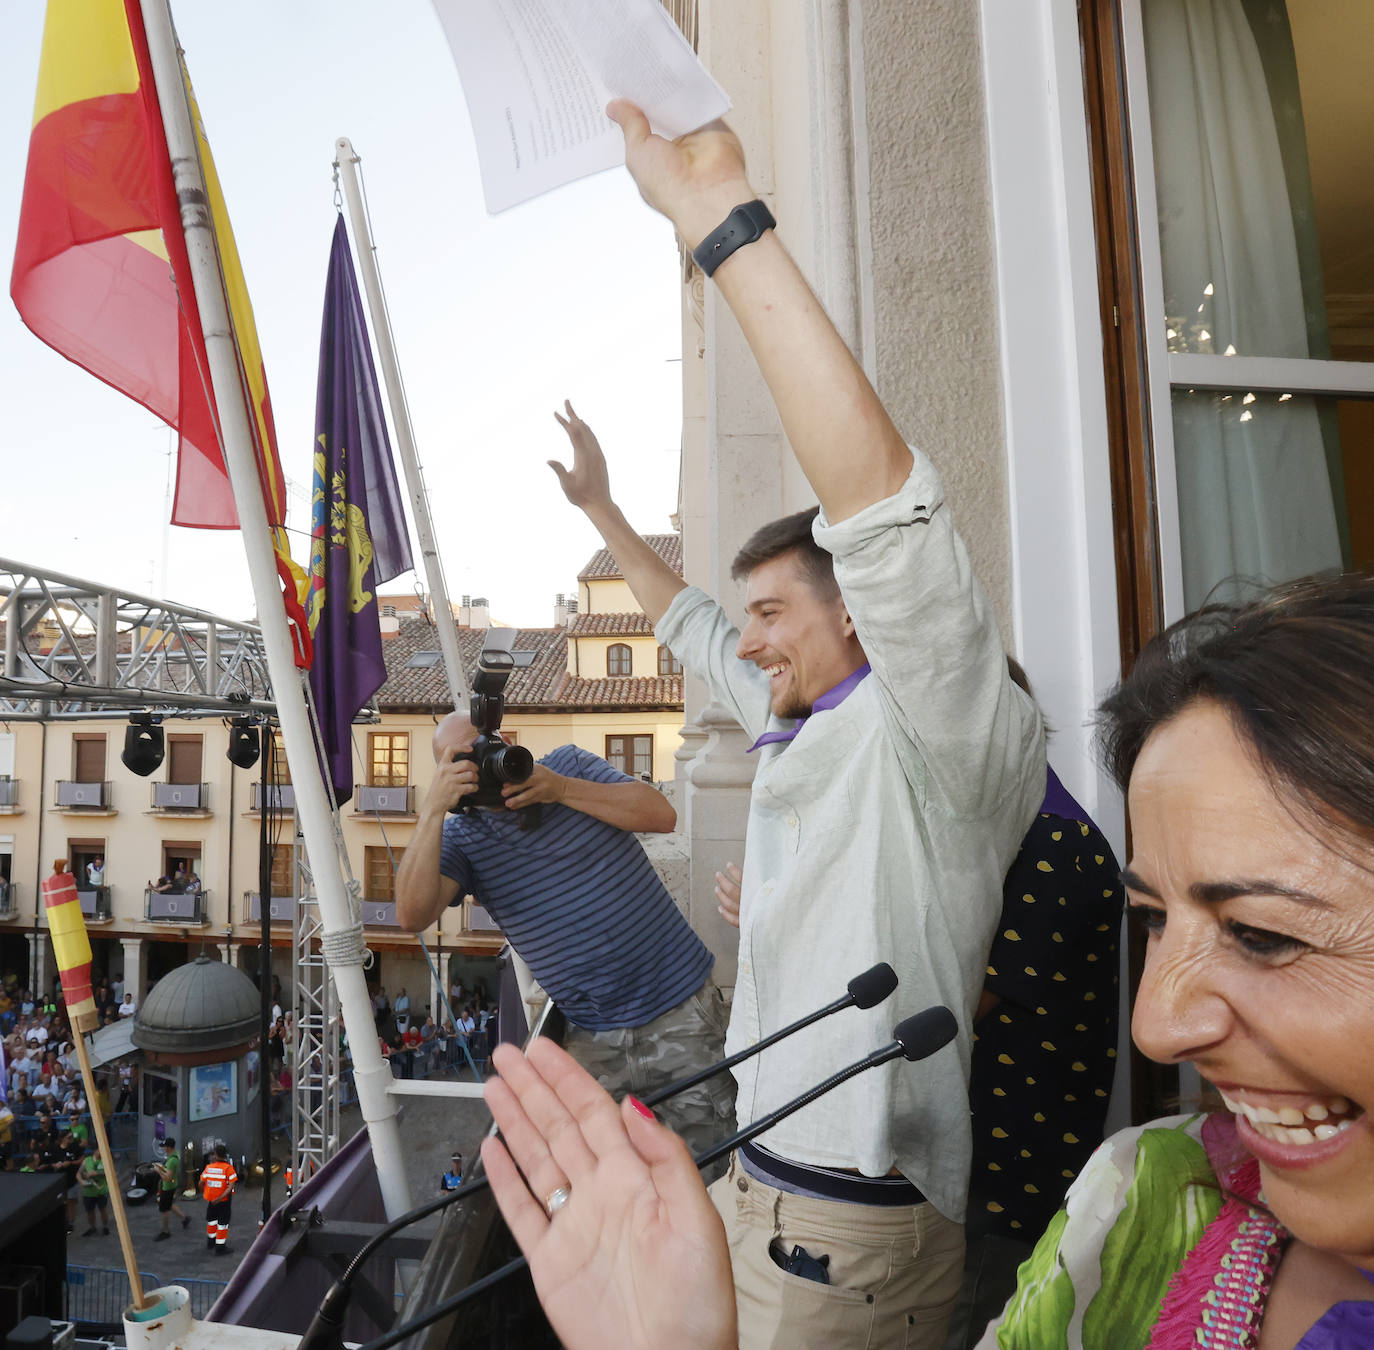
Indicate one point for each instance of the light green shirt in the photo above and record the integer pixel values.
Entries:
(881, 833)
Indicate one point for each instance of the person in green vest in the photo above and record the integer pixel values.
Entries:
(169, 1175)
(95, 1191)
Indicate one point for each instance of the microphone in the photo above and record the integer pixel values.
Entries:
(865, 991)
(913, 1038)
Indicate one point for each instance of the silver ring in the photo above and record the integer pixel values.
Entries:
(556, 1199)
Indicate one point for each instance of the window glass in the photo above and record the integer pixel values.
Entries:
(1262, 120)
(389, 764)
(379, 875)
(631, 754)
(668, 664)
(618, 659)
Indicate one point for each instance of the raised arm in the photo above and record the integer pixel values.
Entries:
(841, 434)
(587, 486)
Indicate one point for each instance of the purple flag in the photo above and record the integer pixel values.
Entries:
(356, 520)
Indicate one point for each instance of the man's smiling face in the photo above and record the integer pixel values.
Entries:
(800, 637)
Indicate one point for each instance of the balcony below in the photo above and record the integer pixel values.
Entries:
(187, 908)
(385, 801)
(280, 796)
(95, 903)
(279, 907)
(89, 797)
(9, 797)
(181, 799)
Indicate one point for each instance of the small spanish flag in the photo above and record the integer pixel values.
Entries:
(72, 947)
(101, 272)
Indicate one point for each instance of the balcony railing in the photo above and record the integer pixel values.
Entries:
(386, 801)
(9, 794)
(282, 797)
(181, 796)
(183, 907)
(74, 796)
(379, 913)
(279, 907)
(9, 900)
(95, 903)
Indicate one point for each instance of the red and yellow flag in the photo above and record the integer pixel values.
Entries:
(72, 948)
(100, 266)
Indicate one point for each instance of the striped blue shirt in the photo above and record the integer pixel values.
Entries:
(581, 902)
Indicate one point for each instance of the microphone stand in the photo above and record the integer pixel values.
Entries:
(914, 1038)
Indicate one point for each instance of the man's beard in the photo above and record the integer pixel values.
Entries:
(793, 705)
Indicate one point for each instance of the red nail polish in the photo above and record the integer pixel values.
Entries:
(641, 1108)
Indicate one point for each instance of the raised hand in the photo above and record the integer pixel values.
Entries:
(586, 485)
(696, 181)
(637, 1255)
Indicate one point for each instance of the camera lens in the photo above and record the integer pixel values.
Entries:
(510, 764)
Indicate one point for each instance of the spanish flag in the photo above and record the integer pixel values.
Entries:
(100, 266)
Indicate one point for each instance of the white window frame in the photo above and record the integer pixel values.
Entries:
(1166, 370)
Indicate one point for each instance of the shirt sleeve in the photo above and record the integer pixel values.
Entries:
(453, 862)
(930, 635)
(695, 628)
(574, 762)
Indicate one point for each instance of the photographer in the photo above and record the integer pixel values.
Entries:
(580, 901)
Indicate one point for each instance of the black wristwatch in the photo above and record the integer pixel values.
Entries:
(742, 226)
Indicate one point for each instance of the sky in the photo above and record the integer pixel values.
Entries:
(496, 319)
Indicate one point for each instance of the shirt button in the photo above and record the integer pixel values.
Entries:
(791, 822)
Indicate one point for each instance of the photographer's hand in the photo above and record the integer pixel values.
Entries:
(454, 779)
(543, 785)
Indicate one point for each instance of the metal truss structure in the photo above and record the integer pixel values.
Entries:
(315, 1087)
(75, 649)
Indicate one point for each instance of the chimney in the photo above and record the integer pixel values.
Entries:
(480, 612)
(465, 612)
(390, 625)
(564, 610)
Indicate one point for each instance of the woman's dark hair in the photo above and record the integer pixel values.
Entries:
(1294, 669)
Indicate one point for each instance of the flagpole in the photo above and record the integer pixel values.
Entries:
(343, 934)
(347, 161)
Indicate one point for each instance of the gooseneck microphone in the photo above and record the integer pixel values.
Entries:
(912, 1039)
(865, 991)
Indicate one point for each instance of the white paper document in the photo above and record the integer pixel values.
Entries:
(537, 75)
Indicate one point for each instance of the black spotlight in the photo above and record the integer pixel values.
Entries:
(244, 746)
(143, 745)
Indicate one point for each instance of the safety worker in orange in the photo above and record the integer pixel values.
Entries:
(217, 1180)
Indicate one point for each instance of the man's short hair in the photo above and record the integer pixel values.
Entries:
(790, 534)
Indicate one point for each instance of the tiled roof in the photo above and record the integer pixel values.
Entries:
(611, 625)
(542, 686)
(603, 566)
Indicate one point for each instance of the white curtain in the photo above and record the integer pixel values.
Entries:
(1255, 498)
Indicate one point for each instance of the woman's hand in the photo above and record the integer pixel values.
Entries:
(637, 1255)
(728, 885)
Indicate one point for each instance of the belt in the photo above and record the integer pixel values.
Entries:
(828, 1183)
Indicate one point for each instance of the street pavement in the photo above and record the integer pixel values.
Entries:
(432, 1128)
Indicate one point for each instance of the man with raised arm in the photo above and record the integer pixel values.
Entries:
(899, 768)
(580, 901)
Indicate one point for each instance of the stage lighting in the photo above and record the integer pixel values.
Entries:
(244, 746)
(143, 745)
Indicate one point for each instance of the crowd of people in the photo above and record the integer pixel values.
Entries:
(419, 1045)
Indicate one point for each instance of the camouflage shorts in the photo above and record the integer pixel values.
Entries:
(640, 1060)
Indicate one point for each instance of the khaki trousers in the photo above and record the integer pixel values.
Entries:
(894, 1271)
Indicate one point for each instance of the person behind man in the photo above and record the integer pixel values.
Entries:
(95, 872)
(453, 1176)
(217, 1181)
(169, 1177)
(402, 1010)
(899, 767)
(580, 901)
(128, 1008)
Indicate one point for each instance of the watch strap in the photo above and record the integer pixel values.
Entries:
(742, 226)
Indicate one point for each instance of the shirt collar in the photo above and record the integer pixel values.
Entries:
(832, 698)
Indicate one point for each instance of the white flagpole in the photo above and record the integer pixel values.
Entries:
(347, 160)
(343, 935)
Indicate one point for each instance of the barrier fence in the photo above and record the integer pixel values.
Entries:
(98, 1296)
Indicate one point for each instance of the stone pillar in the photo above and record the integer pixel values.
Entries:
(39, 963)
(226, 952)
(133, 967)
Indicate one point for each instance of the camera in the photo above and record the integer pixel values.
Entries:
(498, 762)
